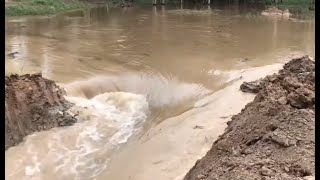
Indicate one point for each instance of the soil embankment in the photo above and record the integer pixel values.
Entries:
(273, 136)
(33, 103)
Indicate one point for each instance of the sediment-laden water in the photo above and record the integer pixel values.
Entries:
(127, 70)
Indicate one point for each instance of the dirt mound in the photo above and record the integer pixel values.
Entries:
(273, 137)
(33, 103)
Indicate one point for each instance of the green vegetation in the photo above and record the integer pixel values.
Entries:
(303, 8)
(299, 7)
(40, 7)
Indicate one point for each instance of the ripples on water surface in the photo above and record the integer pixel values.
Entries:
(129, 69)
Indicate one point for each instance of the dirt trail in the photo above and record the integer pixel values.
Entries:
(273, 136)
(32, 104)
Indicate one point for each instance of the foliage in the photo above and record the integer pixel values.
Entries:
(298, 7)
(40, 7)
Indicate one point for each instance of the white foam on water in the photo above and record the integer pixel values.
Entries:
(31, 170)
(160, 91)
(125, 116)
(110, 110)
(80, 151)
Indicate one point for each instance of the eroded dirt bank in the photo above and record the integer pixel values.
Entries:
(273, 136)
(33, 103)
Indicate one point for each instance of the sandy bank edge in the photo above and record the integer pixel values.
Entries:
(169, 150)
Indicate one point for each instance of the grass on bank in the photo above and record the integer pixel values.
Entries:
(40, 7)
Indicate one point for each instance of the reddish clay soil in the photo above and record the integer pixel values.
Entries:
(33, 103)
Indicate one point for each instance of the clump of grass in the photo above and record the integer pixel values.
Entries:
(40, 7)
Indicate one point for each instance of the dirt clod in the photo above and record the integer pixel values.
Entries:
(283, 100)
(274, 133)
(252, 87)
(264, 171)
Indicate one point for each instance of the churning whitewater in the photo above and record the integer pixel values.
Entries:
(80, 151)
(106, 119)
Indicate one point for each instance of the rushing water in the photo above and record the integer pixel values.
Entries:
(129, 69)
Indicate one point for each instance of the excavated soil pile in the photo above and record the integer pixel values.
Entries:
(273, 137)
(32, 104)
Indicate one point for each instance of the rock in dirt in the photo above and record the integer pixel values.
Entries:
(276, 138)
(33, 103)
(283, 100)
(252, 87)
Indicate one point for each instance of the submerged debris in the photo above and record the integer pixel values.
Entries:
(198, 127)
(13, 54)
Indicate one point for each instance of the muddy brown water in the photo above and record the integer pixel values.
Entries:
(129, 69)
